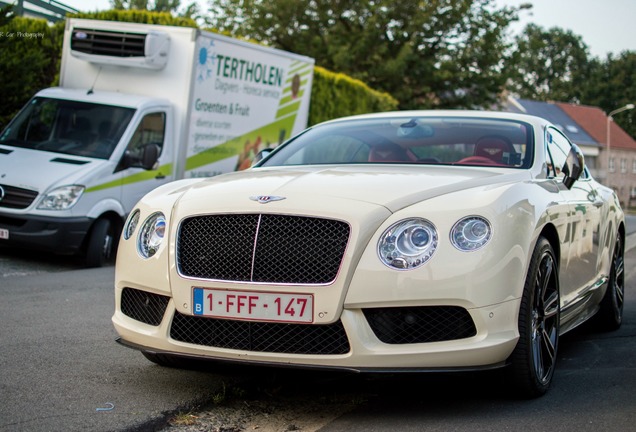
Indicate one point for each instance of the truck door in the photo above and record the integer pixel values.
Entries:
(138, 180)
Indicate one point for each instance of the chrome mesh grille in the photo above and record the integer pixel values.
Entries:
(262, 248)
(261, 336)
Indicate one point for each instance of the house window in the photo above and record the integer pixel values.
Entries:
(611, 165)
(623, 166)
(634, 166)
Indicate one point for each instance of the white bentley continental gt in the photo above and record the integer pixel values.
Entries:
(407, 241)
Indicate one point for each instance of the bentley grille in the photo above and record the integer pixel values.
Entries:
(261, 248)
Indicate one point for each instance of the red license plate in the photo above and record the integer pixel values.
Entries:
(249, 305)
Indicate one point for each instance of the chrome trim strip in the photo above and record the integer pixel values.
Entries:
(258, 230)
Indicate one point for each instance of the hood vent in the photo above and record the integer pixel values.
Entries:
(70, 161)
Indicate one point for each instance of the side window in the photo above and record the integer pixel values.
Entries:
(557, 152)
(151, 130)
(558, 147)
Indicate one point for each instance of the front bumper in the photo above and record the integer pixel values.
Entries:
(492, 342)
(60, 235)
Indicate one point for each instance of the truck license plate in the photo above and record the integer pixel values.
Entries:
(248, 305)
(4, 234)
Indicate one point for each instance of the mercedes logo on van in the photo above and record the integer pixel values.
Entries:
(1, 193)
(264, 199)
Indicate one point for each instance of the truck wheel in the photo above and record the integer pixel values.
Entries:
(534, 358)
(100, 245)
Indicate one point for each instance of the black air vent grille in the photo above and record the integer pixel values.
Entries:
(16, 198)
(326, 339)
(108, 43)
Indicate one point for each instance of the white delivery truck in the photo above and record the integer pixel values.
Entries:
(138, 106)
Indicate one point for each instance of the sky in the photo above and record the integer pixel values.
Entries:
(606, 26)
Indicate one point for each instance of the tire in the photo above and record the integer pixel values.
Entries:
(534, 358)
(610, 315)
(100, 246)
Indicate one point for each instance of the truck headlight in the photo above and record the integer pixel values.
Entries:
(62, 198)
(471, 233)
(408, 244)
(151, 235)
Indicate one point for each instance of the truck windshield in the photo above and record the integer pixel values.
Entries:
(68, 127)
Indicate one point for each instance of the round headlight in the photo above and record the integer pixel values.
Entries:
(408, 244)
(471, 233)
(131, 224)
(151, 235)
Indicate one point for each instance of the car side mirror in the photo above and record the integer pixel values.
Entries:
(574, 166)
(261, 155)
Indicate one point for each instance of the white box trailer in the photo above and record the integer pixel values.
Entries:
(138, 106)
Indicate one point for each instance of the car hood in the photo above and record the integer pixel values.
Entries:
(39, 170)
(390, 186)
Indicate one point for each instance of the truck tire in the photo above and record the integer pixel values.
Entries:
(100, 245)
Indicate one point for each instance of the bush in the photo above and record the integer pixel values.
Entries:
(30, 61)
(336, 95)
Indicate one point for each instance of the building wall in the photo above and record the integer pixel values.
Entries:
(622, 174)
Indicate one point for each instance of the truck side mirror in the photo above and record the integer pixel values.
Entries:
(574, 166)
(149, 156)
(145, 157)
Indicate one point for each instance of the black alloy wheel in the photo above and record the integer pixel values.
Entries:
(534, 359)
(611, 313)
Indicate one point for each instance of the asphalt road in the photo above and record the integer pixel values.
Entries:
(60, 370)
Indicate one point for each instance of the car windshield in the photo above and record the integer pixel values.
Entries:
(411, 140)
(68, 127)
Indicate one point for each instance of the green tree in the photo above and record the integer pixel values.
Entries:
(611, 84)
(435, 53)
(548, 64)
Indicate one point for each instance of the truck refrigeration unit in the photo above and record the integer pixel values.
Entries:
(138, 106)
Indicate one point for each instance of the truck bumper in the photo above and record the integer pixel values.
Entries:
(59, 235)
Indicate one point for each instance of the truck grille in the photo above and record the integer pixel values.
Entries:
(108, 43)
(261, 336)
(261, 248)
(16, 198)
